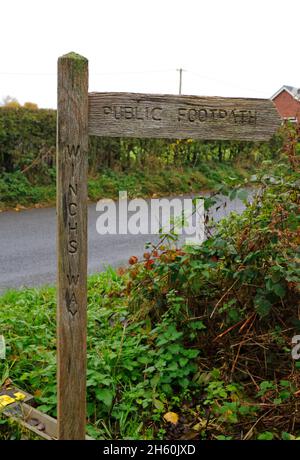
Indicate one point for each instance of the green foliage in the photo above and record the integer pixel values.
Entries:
(141, 166)
(132, 367)
(266, 436)
(203, 331)
(16, 189)
(24, 134)
(243, 286)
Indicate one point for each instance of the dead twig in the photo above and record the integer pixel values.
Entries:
(223, 297)
(249, 432)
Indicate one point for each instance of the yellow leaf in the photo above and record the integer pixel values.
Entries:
(6, 400)
(19, 396)
(200, 426)
(171, 417)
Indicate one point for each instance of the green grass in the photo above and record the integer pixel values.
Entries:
(16, 190)
(123, 398)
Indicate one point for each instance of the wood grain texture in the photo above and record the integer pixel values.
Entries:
(72, 149)
(181, 117)
(23, 414)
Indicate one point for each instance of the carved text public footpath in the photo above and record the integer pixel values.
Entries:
(192, 115)
(71, 152)
(181, 117)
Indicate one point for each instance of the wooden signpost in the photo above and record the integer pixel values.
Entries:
(72, 149)
(80, 114)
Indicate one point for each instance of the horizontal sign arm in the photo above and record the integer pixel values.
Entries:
(181, 117)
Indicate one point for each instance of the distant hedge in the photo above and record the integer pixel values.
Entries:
(28, 136)
(24, 135)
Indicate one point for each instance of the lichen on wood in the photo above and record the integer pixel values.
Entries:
(78, 62)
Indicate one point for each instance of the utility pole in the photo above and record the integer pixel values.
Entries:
(180, 79)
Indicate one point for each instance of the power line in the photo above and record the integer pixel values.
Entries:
(225, 82)
(33, 74)
(134, 72)
(25, 74)
(140, 72)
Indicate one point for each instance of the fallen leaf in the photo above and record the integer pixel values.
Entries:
(19, 396)
(189, 435)
(7, 383)
(171, 417)
(5, 400)
(200, 426)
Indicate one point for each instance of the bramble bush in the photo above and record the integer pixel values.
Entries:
(236, 300)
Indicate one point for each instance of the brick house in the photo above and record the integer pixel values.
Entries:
(287, 102)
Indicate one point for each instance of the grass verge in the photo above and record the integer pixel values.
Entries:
(17, 192)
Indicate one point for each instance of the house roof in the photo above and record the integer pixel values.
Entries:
(295, 92)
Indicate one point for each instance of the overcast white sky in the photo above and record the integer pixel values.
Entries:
(228, 47)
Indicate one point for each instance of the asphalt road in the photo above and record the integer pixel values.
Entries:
(28, 253)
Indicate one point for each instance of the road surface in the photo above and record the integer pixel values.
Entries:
(28, 253)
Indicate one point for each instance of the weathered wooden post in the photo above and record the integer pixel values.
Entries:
(72, 147)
